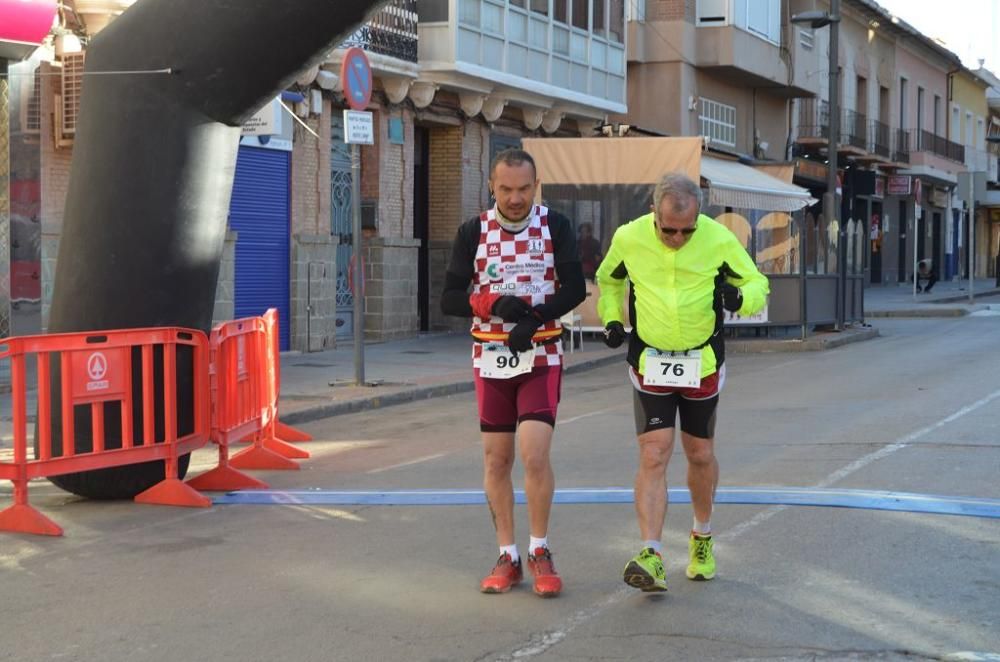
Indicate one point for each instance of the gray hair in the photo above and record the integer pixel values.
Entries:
(681, 189)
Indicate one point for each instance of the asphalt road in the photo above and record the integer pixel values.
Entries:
(914, 410)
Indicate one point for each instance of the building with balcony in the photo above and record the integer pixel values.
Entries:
(474, 78)
(898, 166)
(454, 82)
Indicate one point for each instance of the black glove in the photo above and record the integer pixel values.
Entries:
(614, 334)
(732, 297)
(520, 336)
(511, 308)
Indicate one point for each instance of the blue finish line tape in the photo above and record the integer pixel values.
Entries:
(828, 498)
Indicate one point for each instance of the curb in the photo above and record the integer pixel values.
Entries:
(919, 312)
(356, 405)
(419, 393)
(813, 344)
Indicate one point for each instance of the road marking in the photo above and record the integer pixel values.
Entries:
(791, 496)
(407, 463)
(563, 630)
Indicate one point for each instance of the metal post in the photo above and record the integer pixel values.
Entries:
(972, 236)
(358, 272)
(972, 252)
(803, 279)
(831, 175)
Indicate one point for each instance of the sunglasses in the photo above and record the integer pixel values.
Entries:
(687, 232)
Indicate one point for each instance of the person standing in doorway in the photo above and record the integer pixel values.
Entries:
(685, 269)
(522, 261)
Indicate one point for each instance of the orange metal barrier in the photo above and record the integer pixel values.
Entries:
(244, 384)
(238, 353)
(96, 370)
(282, 431)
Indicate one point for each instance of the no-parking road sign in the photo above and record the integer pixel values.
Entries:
(356, 77)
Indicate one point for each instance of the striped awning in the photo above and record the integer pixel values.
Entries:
(732, 184)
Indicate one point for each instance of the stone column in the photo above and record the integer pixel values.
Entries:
(314, 292)
(391, 288)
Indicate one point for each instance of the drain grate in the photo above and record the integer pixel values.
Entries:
(312, 365)
(416, 351)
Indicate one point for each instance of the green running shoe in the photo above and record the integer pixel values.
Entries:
(702, 565)
(645, 572)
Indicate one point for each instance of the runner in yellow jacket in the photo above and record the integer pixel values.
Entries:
(684, 269)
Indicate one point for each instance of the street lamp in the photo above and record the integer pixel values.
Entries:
(819, 19)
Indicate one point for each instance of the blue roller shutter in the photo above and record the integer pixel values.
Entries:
(259, 213)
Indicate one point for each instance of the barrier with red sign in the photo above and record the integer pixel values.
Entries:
(91, 371)
(238, 351)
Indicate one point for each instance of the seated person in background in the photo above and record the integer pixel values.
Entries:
(925, 274)
(590, 251)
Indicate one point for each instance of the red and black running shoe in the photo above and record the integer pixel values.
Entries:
(547, 581)
(505, 574)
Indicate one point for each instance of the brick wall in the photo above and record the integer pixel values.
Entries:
(311, 176)
(395, 194)
(670, 10)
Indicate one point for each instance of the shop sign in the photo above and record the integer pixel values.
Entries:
(899, 184)
(880, 187)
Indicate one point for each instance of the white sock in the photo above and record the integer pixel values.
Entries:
(512, 550)
(534, 543)
(655, 545)
(702, 528)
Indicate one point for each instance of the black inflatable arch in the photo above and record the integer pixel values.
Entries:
(168, 85)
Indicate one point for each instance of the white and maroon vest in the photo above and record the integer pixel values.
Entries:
(521, 265)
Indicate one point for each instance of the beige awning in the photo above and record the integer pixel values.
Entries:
(612, 161)
(732, 184)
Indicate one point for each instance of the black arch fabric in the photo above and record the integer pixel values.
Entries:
(167, 86)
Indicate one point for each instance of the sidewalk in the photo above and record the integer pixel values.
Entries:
(321, 384)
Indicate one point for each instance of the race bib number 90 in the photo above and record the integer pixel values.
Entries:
(668, 369)
(498, 362)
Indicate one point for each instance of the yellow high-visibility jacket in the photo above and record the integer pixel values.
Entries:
(673, 302)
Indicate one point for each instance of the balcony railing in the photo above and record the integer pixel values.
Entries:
(901, 146)
(929, 142)
(879, 139)
(814, 118)
(977, 160)
(853, 129)
(392, 31)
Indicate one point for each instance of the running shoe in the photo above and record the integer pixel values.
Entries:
(645, 572)
(702, 565)
(547, 581)
(506, 573)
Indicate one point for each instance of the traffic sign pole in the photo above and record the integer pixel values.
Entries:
(356, 77)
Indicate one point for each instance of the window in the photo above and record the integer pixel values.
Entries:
(599, 26)
(431, 11)
(580, 17)
(580, 14)
(560, 11)
(616, 20)
(468, 12)
(540, 6)
(937, 116)
(517, 3)
(920, 109)
(903, 123)
(718, 122)
(758, 17)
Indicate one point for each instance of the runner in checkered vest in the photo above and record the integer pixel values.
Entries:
(521, 260)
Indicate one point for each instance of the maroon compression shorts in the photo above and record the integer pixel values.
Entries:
(534, 396)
